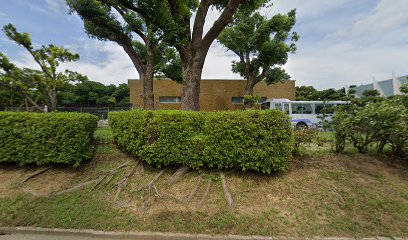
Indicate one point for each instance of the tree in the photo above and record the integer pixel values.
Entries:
(19, 86)
(91, 93)
(49, 80)
(187, 35)
(110, 20)
(404, 88)
(371, 93)
(309, 93)
(306, 93)
(262, 46)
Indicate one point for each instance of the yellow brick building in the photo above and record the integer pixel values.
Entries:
(214, 94)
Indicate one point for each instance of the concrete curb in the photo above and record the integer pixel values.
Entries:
(155, 235)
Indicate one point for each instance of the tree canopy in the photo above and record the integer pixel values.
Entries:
(94, 93)
(112, 20)
(262, 45)
(174, 20)
(309, 93)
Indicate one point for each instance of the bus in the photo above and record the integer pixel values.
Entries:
(304, 114)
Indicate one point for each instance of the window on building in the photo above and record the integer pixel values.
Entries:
(237, 100)
(170, 99)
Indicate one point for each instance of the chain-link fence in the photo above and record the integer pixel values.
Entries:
(99, 110)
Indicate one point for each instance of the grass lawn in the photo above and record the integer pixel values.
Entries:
(321, 194)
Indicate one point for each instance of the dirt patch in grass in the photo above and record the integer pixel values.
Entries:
(350, 195)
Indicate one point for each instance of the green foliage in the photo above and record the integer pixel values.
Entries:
(113, 21)
(383, 122)
(251, 140)
(304, 136)
(371, 93)
(251, 100)
(34, 85)
(309, 93)
(404, 88)
(262, 45)
(90, 92)
(43, 138)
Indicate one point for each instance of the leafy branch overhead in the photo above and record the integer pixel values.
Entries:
(46, 82)
(113, 20)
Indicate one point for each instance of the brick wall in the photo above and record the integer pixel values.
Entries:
(215, 94)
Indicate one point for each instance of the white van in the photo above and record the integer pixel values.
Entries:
(304, 113)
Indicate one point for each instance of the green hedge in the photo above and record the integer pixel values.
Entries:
(251, 140)
(42, 138)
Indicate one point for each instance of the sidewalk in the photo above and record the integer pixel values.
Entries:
(28, 233)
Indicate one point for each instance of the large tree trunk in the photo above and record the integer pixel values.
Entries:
(53, 101)
(145, 71)
(249, 90)
(147, 80)
(192, 70)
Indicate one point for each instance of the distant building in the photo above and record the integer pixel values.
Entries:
(215, 94)
(386, 88)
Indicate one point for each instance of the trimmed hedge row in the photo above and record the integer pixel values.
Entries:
(251, 140)
(42, 138)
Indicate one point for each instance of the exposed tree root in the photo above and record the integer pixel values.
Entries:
(122, 184)
(109, 176)
(178, 174)
(207, 190)
(150, 184)
(35, 174)
(168, 195)
(77, 187)
(195, 190)
(226, 192)
(142, 167)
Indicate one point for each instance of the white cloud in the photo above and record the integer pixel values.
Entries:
(342, 42)
(374, 44)
(218, 64)
(115, 67)
(56, 6)
(386, 17)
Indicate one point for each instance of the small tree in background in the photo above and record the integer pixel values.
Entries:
(371, 93)
(263, 45)
(46, 82)
(404, 88)
(16, 86)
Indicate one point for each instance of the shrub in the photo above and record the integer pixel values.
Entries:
(42, 138)
(304, 136)
(251, 140)
(381, 123)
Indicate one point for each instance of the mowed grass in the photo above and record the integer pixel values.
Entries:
(347, 195)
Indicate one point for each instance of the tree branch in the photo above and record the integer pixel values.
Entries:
(262, 75)
(137, 61)
(225, 18)
(35, 105)
(136, 30)
(199, 21)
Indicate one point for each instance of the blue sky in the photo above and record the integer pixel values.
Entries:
(343, 42)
